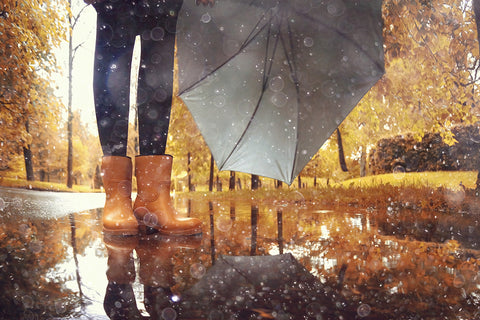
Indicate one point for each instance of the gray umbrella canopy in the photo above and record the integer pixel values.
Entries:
(268, 81)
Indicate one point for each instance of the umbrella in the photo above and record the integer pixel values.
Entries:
(262, 284)
(268, 81)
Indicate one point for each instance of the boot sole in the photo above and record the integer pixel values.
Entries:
(120, 232)
(147, 230)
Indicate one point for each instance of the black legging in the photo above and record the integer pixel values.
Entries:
(118, 23)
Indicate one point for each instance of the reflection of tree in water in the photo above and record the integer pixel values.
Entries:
(29, 249)
(394, 276)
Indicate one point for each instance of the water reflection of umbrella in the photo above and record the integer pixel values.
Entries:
(242, 284)
(268, 81)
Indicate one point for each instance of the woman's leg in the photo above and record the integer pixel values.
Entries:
(155, 84)
(113, 55)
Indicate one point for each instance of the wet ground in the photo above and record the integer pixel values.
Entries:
(253, 261)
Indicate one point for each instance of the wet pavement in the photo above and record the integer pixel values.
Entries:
(253, 261)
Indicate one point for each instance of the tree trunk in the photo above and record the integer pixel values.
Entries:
(363, 164)
(27, 156)
(69, 107)
(477, 189)
(231, 182)
(299, 182)
(210, 181)
(189, 172)
(341, 154)
(255, 182)
(278, 184)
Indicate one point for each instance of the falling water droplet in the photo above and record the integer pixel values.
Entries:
(224, 224)
(36, 246)
(169, 314)
(206, 18)
(279, 99)
(215, 315)
(399, 172)
(363, 310)
(277, 84)
(197, 270)
(308, 42)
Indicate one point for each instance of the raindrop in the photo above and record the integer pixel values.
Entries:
(399, 172)
(215, 315)
(169, 314)
(363, 310)
(160, 95)
(197, 270)
(206, 18)
(279, 99)
(24, 229)
(60, 308)
(125, 188)
(224, 224)
(156, 58)
(308, 42)
(458, 281)
(2, 204)
(157, 34)
(152, 114)
(29, 315)
(150, 219)
(27, 302)
(277, 84)
(314, 309)
(219, 101)
(17, 203)
(336, 8)
(35, 246)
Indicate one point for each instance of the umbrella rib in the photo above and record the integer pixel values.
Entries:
(265, 80)
(247, 41)
(238, 270)
(293, 71)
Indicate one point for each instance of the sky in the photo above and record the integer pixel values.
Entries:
(83, 35)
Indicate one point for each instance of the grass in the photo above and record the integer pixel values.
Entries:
(441, 179)
(447, 192)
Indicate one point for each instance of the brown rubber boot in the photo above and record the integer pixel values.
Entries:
(152, 207)
(118, 218)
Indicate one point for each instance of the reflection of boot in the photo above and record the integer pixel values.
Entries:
(118, 215)
(152, 206)
(156, 270)
(119, 302)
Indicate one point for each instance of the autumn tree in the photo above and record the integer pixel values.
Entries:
(29, 32)
(430, 84)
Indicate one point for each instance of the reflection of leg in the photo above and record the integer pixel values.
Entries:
(113, 54)
(157, 271)
(119, 302)
(155, 84)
